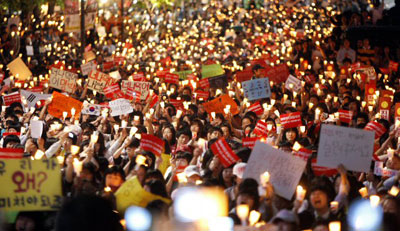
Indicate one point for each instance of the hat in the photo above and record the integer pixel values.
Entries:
(286, 216)
(73, 137)
(238, 169)
(192, 170)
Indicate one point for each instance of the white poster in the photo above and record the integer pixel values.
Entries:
(120, 107)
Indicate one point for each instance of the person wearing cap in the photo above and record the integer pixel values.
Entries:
(238, 171)
(192, 173)
(286, 220)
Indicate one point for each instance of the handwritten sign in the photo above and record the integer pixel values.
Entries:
(348, 146)
(88, 67)
(62, 103)
(132, 193)
(266, 158)
(293, 84)
(218, 104)
(120, 107)
(31, 185)
(19, 69)
(97, 81)
(256, 89)
(63, 80)
(142, 87)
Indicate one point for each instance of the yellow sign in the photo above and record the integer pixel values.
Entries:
(30, 185)
(132, 193)
(165, 163)
(19, 69)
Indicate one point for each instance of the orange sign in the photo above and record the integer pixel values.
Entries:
(62, 103)
(218, 104)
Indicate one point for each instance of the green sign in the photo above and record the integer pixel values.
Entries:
(212, 70)
(183, 74)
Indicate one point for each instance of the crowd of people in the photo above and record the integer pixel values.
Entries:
(307, 38)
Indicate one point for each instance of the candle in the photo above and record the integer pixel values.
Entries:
(178, 113)
(136, 118)
(107, 189)
(140, 160)
(300, 193)
(116, 127)
(72, 111)
(302, 129)
(74, 149)
(124, 123)
(133, 131)
(254, 217)
(39, 154)
(296, 146)
(213, 115)
(390, 153)
(94, 137)
(374, 200)
(264, 178)
(363, 191)
(181, 177)
(60, 159)
(334, 226)
(334, 205)
(77, 166)
(242, 211)
(65, 114)
(394, 191)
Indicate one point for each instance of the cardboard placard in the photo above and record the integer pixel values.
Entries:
(131, 193)
(142, 87)
(266, 158)
(97, 81)
(63, 80)
(211, 70)
(291, 120)
(218, 104)
(224, 152)
(88, 67)
(120, 107)
(32, 185)
(152, 144)
(19, 69)
(89, 56)
(62, 103)
(293, 84)
(256, 89)
(348, 146)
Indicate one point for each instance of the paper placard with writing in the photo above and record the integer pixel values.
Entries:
(120, 107)
(97, 81)
(63, 80)
(142, 87)
(256, 89)
(266, 158)
(348, 146)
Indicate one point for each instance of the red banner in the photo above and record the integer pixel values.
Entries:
(256, 108)
(378, 128)
(132, 94)
(172, 78)
(244, 75)
(319, 171)
(291, 120)
(178, 104)
(11, 98)
(345, 116)
(152, 144)
(261, 128)
(113, 91)
(202, 95)
(11, 153)
(370, 89)
(277, 74)
(154, 100)
(224, 152)
(249, 142)
(139, 77)
(303, 153)
(397, 110)
(393, 66)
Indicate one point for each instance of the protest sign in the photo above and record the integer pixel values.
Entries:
(303, 153)
(277, 74)
(266, 158)
(293, 84)
(19, 69)
(36, 128)
(224, 152)
(249, 142)
(29, 50)
(10, 153)
(379, 170)
(345, 116)
(32, 185)
(201, 95)
(97, 81)
(218, 104)
(322, 171)
(132, 193)
(256, 89)
(113, 91)
(172, 78)
(152, 144)
(376, 127)
(63, 80)
(204, 83)
(348, 146)
(32, 97)
(369, 71)
(220, 81)
(211, 70)
(261, 128)
(142, 87)
(244, 75)
(397, 111)
(165, 162)
(62, 103)
(115, 75)
(291, 120)
(183, 74)
(89, 56)
(120, 107)
(385, 103)
(138, 77)
(11, 98)
(91, 109)
(256, 108)
(88, 67)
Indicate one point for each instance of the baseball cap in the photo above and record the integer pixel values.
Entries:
(286, 216)
(192, 170)
(238, 169)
